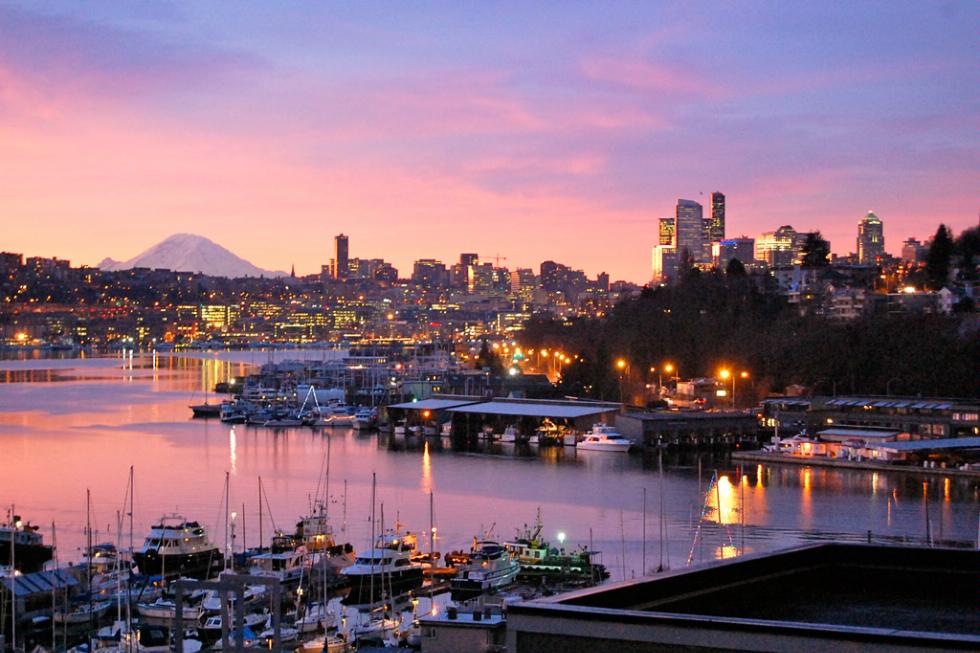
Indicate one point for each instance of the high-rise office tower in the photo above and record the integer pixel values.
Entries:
(716, 226)
(870, 239)
(689, 225)
(668, 229)
(341, 258)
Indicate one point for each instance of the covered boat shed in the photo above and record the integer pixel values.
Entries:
(529, 414)
(33, 591)
(428, 410)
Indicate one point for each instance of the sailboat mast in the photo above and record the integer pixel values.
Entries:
(432, 530)
(374, 482)
(261, 539)
(227, 513)
(54, 586)
(643, 568)
(13, 567)
(88, 567)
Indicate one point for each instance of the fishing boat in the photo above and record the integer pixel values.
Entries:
(603, 437)
(177, 547)
(540, 562)
(490, 567)
(30, 552)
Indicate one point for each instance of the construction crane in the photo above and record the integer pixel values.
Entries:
(496, 258)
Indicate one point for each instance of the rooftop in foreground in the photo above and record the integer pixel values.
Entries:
(826, 596)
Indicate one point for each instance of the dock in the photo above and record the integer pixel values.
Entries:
(773, 458)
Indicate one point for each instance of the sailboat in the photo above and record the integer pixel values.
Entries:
(206, 409)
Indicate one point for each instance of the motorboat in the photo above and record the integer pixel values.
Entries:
(83, 613)
(325, 644)
(510, 434)
(177, 547)
(211, 631)
(490, 567)
(167, 609)
(212, 598)
(387, 569)
(603, 437)
(286, 566)
(365, 419)
(399, 428)
(30, 552)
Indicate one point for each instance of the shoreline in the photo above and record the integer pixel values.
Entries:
(813, 461)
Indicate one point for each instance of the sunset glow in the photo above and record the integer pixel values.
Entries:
(494, 128)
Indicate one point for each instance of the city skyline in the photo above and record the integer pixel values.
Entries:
(554, 133)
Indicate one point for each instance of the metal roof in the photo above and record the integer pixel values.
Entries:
(569, 410)
(928, 445)
(859, 434)
(432, 404)
(40, 582)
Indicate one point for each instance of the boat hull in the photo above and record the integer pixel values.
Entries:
(396, 583)
(202, 564)
(28, 558)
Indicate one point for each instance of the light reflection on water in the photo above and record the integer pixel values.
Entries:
(70, 425)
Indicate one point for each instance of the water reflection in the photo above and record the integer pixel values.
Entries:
(232, 450)
(54, 414)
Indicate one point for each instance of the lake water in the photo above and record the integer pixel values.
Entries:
(71, 425)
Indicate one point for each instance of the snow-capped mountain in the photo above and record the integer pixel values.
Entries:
(190, 253)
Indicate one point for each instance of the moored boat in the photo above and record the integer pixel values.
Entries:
(177, 547)
(603, 437)
(490, 567)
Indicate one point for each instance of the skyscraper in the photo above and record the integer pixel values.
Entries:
(341, 259)
(689, 223)
(667, 231)
(716, 226)
(870, 239)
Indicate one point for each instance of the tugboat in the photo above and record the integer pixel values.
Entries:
(387, 569)
(177, 547)
(541, 563)
(490, 567)
(30, 553)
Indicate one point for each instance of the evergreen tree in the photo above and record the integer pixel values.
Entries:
(816, 251)
(938, 258)
(735, 268)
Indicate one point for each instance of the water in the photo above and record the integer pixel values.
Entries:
(71, 425)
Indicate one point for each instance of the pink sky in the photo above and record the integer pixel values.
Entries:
(560, 133)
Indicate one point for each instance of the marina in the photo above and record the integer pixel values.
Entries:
(459, 523)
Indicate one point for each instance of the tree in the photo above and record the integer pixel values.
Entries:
(967, 250)
(938, 258)
(735, 268)
(815, 251)
(487, 359)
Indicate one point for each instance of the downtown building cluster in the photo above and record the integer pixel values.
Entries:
(47, 302)
(694, 238)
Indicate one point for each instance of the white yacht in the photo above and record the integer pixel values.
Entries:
(510, 434)
(491, 567)
(286, 566)
(603, 437)
(365, 419)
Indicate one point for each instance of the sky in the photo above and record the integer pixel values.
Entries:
(534, 131)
